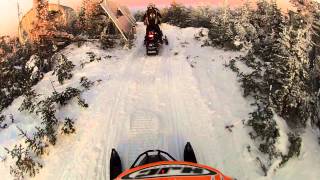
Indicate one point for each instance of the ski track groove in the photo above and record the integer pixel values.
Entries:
(102, 160)
(115, 117)
(176, 113)
(171, 108)
(122, 136)
(140, 106)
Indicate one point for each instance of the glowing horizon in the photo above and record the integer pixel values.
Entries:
(143, 3)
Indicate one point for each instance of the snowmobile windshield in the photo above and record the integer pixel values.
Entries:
(152, 156)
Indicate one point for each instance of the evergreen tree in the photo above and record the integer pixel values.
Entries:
(177, 15)
(280, 80)
(221, 33)
(42, 32)
(269, 23)
(92, 18)
(315, 66)
(311, 10)
(259, 18)
(47, 31)
(288, 73)
(244, 32)
(201, 17)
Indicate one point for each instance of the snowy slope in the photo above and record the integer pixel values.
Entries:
(184, 94)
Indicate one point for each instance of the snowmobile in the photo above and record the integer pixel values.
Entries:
(153, 42)
(160, 165)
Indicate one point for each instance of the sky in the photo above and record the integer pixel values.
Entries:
(9, 14)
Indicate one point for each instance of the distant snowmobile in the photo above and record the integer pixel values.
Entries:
(154, 37)
(160, 165)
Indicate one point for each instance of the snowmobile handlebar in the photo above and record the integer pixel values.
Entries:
(159, 154)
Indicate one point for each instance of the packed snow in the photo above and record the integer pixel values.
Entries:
(156, 102)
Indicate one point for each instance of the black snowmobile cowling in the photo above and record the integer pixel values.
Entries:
(160, 165)
(153, 42)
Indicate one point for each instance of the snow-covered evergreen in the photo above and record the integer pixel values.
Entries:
(280, 75)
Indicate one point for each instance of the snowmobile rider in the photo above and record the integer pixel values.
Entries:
(152, 19)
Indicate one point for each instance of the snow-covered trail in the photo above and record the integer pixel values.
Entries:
(155, 102)
(150, 103)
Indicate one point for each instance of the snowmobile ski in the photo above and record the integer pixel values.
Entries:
(188, 153)
(115, 164)
(166, 42)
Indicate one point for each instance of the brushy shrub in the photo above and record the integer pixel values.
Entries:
(27, 159)
(4, 121)
(47, 112)
(22, 67)
(139, 16)
(26, 164)
(92, 58)
(64, 69)
(108, 41)
(36, 143)
(29, 103)
(14, 77)
(3, 124)
(68, 127)
(64, 97)
(294, 148)
(86, 83)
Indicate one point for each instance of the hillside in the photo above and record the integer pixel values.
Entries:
(161, 102)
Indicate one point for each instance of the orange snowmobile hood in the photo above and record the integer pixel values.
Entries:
(173, 170)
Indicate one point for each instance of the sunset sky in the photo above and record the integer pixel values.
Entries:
(9, 20)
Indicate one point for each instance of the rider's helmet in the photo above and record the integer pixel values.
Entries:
(151, 5)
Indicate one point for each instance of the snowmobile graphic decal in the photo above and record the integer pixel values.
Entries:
(173, 170)
(169, 171)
